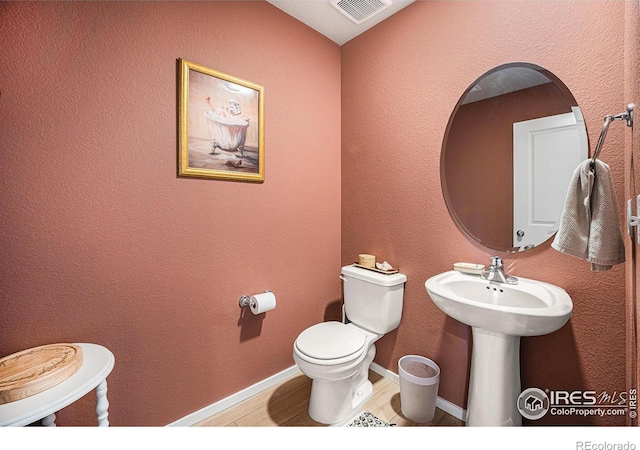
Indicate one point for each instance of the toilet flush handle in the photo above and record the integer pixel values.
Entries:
(343, 278)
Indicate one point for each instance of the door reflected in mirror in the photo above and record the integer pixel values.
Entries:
(509, 151)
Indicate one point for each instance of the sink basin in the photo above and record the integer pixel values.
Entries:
(529, 308)
(498, 314)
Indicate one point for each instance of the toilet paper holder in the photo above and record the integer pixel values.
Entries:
(245, 300)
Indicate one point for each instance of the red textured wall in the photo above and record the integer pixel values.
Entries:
(400, 82)
(102, 242)
(632, 175)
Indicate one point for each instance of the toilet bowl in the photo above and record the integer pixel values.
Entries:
(337, 356)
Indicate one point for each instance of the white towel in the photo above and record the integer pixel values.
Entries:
(589, 226)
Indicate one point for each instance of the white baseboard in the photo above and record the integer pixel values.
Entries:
(244, 394)
(234, 399)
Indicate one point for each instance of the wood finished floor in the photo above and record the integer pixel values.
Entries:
(285, 405)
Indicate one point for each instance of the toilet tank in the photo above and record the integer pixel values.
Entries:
(373, 300)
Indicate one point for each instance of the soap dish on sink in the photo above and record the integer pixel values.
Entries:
(475, 269)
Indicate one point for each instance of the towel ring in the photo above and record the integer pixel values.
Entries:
(628, 116)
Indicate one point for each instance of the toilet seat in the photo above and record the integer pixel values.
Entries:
(330, 343)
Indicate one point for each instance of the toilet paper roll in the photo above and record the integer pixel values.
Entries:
(262, 302)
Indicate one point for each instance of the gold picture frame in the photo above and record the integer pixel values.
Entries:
(220, 125)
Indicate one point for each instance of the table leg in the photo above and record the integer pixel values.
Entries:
(49, 421)
(102, 404)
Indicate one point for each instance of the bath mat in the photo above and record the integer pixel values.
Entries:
(366, 419)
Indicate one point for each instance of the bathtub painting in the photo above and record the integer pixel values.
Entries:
(221, 125)
(227, 127)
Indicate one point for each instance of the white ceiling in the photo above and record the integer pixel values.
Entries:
(327, 20)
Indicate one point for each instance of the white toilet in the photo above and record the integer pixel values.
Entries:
(337, 356)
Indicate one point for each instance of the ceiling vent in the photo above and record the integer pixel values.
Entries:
(360, 10)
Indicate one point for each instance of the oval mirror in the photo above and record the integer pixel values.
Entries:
(509, 151)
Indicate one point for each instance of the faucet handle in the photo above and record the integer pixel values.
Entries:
(496, 262)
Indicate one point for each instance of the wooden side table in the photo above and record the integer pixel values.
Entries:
(97, 364)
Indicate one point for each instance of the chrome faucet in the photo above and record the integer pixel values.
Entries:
(495, 272)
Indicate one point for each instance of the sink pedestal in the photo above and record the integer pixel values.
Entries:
(498, 314)
(494, 385)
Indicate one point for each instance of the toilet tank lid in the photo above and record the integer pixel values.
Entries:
(374, 277)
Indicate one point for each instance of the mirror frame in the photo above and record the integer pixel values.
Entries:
(564, 93)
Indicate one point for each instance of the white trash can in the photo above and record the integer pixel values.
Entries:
(419, 380)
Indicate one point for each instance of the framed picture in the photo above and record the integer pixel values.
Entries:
(220, 125)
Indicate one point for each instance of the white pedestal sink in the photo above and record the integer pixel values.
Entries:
(498, 314)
